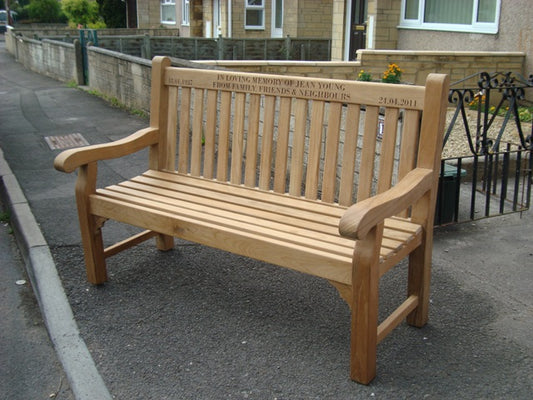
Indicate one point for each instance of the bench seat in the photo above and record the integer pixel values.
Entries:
(288, 231)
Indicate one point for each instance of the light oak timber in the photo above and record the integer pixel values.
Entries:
(286, 170)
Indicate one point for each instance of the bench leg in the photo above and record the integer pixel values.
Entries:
(365, 307)
(419, 280)
(164, 242)
(90, 226)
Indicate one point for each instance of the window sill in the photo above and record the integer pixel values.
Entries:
(443, 28)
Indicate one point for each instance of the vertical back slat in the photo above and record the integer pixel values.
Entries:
(298, 147)
(368, 153)
(331, 156)
(388, 146)
(349, 155)
(252, 140)
(282, 146)
(172, 125)
(408, 149)
(237, 138)
(197, 132)
(210, 134)
(408, 146)
(184, 130)
(223, 136)
(315, 144)
(159, 110)
(265, 169)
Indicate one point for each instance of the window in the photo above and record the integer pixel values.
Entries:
(451, 15)
(168, 12)
(186, 12)
(254, 17)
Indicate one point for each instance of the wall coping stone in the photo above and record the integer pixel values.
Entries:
(280, 63)
(121, 56)
(442, 53)
(58, 43)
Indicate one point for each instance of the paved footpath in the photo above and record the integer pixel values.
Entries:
(197, 323)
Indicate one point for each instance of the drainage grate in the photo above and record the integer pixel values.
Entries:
(66, 142)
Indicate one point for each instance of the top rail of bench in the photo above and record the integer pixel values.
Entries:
(350, 92)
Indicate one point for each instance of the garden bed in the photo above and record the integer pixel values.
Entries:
(457, 144)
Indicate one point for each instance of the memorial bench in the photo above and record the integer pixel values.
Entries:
(287, 170)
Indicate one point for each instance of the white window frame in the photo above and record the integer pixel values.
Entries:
(474, 27)
(254, 7)
(167, 3)
(185, 12)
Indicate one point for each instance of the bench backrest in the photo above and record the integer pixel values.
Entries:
(329, 140)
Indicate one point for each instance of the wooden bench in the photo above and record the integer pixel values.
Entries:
(287, 170)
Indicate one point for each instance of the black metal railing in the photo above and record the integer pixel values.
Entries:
(496, 177)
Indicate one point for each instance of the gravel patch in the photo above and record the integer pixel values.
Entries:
(457, 144)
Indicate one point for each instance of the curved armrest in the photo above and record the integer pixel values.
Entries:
(357, 220)
(69, 160)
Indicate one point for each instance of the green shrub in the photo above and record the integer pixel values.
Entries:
(45, 11)
(82, 12)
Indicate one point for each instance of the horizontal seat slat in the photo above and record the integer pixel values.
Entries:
(238, 220)
(298, 203)
(272, 203)
(250, 244)
(216, 206)
(260, 210)
(252, 212)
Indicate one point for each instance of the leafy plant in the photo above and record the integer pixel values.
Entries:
(364, 76)
(525, 114)
(4, 217)
(393, 74)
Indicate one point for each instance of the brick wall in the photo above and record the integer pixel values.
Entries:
(196, 18)
(415, 64)
(290, 18)
(458, 64)
(323, 69)
(315, 18)
(51, 58)
(337, 30)
(123, 77)
(149, 14)
(386, 16)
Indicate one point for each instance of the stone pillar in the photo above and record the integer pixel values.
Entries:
(337, 30)
(79, 63)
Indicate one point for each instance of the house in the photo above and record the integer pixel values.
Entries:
(239, 18)
(435, 25)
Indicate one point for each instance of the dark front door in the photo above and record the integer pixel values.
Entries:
(131, 10)
(358, 27)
